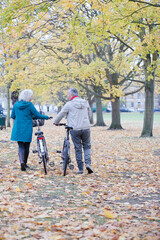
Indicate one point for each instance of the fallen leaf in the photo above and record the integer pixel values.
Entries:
(108, 214)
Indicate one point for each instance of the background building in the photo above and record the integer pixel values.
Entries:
(136, 102)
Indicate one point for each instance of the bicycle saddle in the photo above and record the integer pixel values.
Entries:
(38, 133)
(68, 127)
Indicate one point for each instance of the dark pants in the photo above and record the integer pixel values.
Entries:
(23, 151)
(81, 138)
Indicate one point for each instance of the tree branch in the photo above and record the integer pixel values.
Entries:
(118, 38)
(150, 4)
(93, 92)
(51, 48)
(126, 94)
(37, 4)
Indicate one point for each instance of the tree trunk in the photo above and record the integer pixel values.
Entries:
(99, 113)
(116, 121)
(14, 96)
(149, 107)
(91, 100)
(91, 120)
(149, 96)
(8, 105)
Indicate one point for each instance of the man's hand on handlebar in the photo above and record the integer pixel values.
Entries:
(50, 117)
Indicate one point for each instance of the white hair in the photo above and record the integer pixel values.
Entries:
(73, 91)
(26, 95)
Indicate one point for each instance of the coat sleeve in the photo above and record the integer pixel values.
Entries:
(13, 113)
(37, 114)
(62, 113)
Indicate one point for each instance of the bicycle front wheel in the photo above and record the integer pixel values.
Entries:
(44, 164)
(65, 160)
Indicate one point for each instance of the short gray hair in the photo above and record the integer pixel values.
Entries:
(26, 95)
(73, 91)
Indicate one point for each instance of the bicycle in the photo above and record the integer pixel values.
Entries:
(41, 145)
(66, 150)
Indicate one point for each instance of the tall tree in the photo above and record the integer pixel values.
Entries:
(92, 24)
(141, 20)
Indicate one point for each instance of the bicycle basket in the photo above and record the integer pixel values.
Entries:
(40, 121)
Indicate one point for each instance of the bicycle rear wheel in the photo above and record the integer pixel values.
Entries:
(44, 164)
(65, 160)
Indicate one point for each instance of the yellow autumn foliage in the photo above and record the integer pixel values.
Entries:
(74, 31)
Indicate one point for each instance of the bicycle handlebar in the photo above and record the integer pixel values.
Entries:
(60, 124)
(64, 124)
(41, 118)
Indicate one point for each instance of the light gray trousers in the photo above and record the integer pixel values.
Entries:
(81, 138)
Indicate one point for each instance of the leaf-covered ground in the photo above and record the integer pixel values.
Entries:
(120, 201)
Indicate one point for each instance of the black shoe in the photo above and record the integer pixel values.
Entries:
(26, 166)
(23, 167)
(89, 169)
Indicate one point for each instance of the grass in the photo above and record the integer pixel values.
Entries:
(129, 117)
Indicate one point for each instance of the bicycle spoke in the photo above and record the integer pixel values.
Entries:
(65, 159)
(44, 164)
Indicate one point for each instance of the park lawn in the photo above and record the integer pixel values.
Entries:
(118, 201)
(129, 117)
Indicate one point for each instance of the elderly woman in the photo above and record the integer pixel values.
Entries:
(22, 113)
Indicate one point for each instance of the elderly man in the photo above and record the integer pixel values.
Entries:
(78, 113)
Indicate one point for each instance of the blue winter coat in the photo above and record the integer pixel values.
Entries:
(22, 113)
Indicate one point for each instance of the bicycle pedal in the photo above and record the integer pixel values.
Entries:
(40, 162)
(71, 166)
(34, 151)
(59, 151)
(51, 164)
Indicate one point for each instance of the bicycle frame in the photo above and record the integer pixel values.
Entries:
(66, 150)
(41, 147)
(66, 142)
(41, 144)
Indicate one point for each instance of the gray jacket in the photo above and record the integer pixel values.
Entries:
(77, 112)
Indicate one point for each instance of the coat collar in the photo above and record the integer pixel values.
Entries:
(73, 98)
